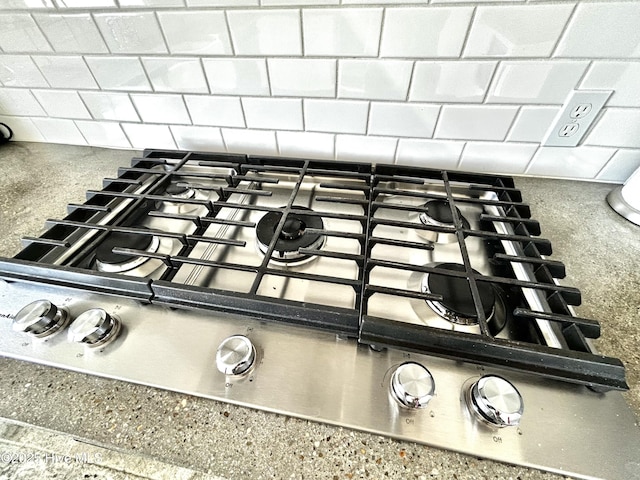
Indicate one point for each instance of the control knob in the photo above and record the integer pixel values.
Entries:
(412, 385)
(40, 319)
(235, 355)
(497, 401)
(94, 328)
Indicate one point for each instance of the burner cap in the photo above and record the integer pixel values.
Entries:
(293, 235)
(456, 295)
(108, 261)
(179, 191)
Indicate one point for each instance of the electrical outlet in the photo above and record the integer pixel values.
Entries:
(578, 113)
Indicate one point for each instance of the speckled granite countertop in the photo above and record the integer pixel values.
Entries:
(600, 249)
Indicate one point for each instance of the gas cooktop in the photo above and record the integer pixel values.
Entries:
(414, 303)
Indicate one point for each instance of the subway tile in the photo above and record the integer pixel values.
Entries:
(199, 33)
(252, 32)
(237, 76)
(429, 153)
(202, 139)
(342, 32)
(306, 145)
(256, 142)
(131, 32)
(402, 119)
(424, 32)
(621, 77)
(32, 4)
(65, 71)
(62, 103)
(535, 81)
(335, 116)
(19, 33)
(85, 3)
(221, 3)
(302, 77)
(119, 73)
(151, 3)
(365, 148)
(378, 2)
(23, 129)
(460, 81)
(576, 162)
(110, 106)
(374, 79)
(20, 71)
(215, 111)
(621, 166)
(618, 127)
(299, 2)
(475, 122)
(57, 130)
(607, 29)
(142, 135)
(72, 33)
(273, 113)
(516, 31)
(161, 108)
(17, 101)
(103, 134)
(176, 75)
(497, 157)
(532, 124)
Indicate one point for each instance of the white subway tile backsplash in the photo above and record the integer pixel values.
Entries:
(273, 113)
(306, 145)
(494, 157)
(578, 162)
(621, 166)
(151, 3)
(215, 111)
(23, 129)
(85, 3)
(34, 4)
(176, 75)
(72, 33)
(365, 148)
(237, 76)
(602, 29)
(342, 32)
(403, 120)
(65, 71)
(103, 134)
(110, 106)
(20, 71)
(196, 32)
(517, 31)
(475, 122)
(57, 130)
(143, 136)
(461, 81)
(429, 153)
(157, 108)
(299, 2)
(535, 81)
(203, 139)
(254, 32)
(621, 77)
(424, 32)
(119, 73)
(618, 127)
(374, 79)
(134, 32)
(302, 77)
(532, 124)
(19, 33)
(219, 3)
(256, 142)
(62, 103)
(336, 116)
(18, 101)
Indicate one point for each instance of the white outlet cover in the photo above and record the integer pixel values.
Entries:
(564, 121)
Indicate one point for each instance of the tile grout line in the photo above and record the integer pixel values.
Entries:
(606, 164)
(565, 29)
(465, 41)
(228, 27)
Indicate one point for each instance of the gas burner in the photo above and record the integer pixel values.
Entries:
(292, 237)
(108, 261)
(438, 214)
(176, 190)
(180, 191)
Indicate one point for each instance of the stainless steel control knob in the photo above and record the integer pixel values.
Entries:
(40, 319)
(94, 328)
(412, 385)
(496, 401)
(235, 355)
